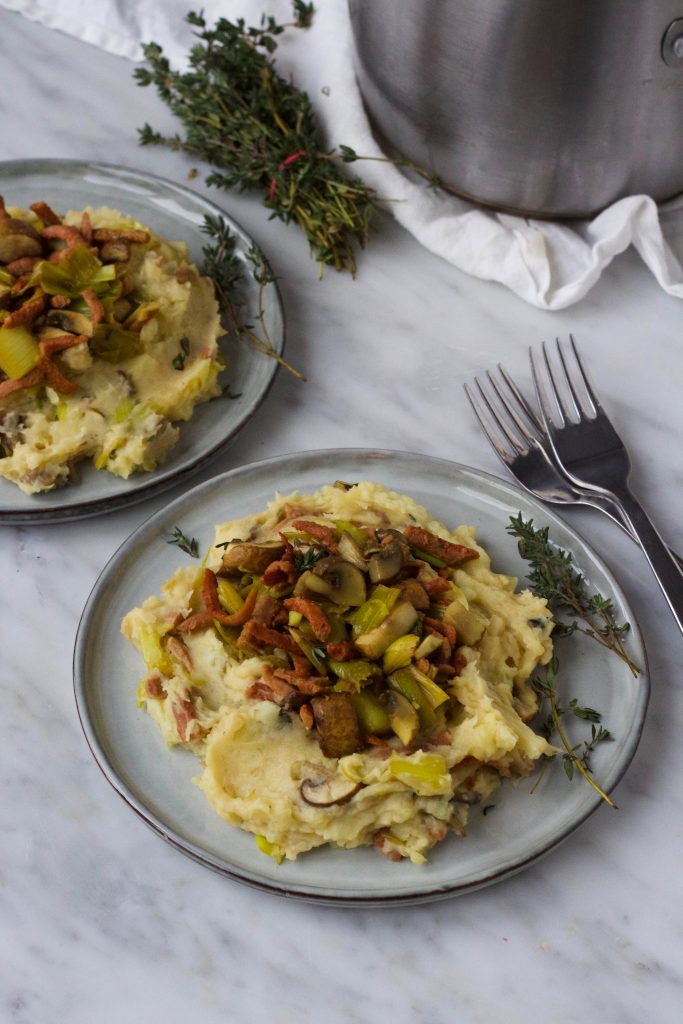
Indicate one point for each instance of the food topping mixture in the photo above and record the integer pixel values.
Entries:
(107, 336)
(348, 670)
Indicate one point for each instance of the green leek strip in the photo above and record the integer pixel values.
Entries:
(435, 695)
(294, 618)
(113, 344)
(375, 610)
(358, 672)
(271, 849)
(18, 351)
(229, 635)
(372, 715)
(77, 271)
(229, 597)
(123, 410)
(430, 768)
(429, 644)
(6, 278)
(310, 651)
(400, 653)
(154, 654)
(344, 526)
(434, 560)
(404, 682)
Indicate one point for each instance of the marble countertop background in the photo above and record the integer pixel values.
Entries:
(102, 922)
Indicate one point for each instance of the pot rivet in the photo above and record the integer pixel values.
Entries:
(672, 44)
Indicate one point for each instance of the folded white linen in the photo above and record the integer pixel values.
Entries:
(548, 264)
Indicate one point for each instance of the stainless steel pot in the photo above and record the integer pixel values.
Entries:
(550, 107)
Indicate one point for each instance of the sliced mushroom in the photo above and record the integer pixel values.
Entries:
(386, 563)
(327, 789)
(336, 579)
(351, 552)
(67, 320)
(403, 718)
(249, 557)
(400, 620)
(337, 723)
(18, 239)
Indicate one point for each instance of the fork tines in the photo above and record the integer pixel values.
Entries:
(507, 419)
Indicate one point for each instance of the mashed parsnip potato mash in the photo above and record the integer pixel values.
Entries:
(108, 338)
(347, 670)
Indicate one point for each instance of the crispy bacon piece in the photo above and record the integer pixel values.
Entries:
(444, 628)
(33, 377)
(24, 265)
(64, 233)
(184, 712)
(377, 741)
(437, 586)
(345, 650)
(213, 605)
(94, 305)
(257, 635)
(451, 554)
(46, 213)
(306, 716)
(279, 686)
(282, 571)
(178, 648)
(325, 535)
(4, 215)
(60, 301)
(311, 611)
(458, 661)
(259, 691)
(27, 313)
(193, 623)
(124, 234)
(154, 687)
(60, 343)
(55, 377)
(265, 609)
(379, 842)
(86, 227)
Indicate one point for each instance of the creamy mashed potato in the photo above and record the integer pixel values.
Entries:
(264, 763)
(134, 382)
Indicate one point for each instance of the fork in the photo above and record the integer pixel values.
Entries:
(517, 436)
(592, 455)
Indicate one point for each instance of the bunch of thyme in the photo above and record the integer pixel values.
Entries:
(258, 131)
(222, 264)
(552, 575)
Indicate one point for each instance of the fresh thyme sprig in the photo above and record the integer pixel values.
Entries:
(577, 756)
(552, 575)
(187, 544)
(306, 559)
(222, 264)
(258, 131)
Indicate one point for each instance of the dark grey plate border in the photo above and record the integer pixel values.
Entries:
(200, 856)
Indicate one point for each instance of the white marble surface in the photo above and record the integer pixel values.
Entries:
(100, 920)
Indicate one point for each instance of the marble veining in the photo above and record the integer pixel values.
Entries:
(102, 921)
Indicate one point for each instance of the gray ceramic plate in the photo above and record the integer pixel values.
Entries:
(177, 213)
(157, 783)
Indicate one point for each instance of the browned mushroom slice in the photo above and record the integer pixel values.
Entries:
(337, 723)
(386, 563)
(335, 579)
(248, 557)
(18, 239)
(322, 788)
(67, 320)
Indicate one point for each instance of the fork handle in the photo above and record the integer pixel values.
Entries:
(666, 572)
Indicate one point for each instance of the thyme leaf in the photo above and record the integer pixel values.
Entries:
(304, 560)
(553, 576)
(575, 757)
(222, 264)
(187, 544)
(258, 131)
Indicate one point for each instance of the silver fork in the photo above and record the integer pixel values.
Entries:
(517, 436)
(592, 455)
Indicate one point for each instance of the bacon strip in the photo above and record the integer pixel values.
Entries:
(26, 313)
(184, 712)
(255, 634)
(437, 586)
(86, 227)
(213, 605)
(311, 611)
(46, 213)
(444, 628)
(61, 342)
(343, 651)
(325, 535)
(126, 235)
(451, 554)
(94, 305)
(35, 376)
(55, 377)
(24, 265)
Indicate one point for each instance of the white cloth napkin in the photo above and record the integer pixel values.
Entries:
(548, 264)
